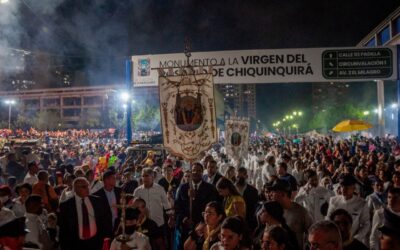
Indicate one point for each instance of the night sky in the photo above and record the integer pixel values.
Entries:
(95, 36)
(143, 27)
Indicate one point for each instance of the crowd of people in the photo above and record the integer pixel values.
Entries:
(288, 193)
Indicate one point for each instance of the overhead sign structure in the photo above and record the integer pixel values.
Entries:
(274, 66)
(375, 63)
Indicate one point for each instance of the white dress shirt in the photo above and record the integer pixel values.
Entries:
(359, 211)
(92, 218)
(156, 201)
(267, 172)
(31, 179)
(37, 230)
(377, 222)
(18, 208)
(313, 199)
(112, 202)
(136, 241)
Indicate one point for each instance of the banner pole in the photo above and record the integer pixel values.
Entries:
(128, 84)
(398, 93)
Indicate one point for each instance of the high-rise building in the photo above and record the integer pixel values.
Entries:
(239, 98)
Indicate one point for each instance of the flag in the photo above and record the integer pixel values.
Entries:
(188, 118)
(237, 137)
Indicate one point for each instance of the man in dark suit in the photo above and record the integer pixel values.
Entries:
(111, 195)
(201, 193)
(212, 175)
(84, 219)
(249, 194)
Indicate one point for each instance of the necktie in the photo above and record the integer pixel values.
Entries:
(85, 221)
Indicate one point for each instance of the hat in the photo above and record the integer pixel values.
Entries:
(347, 180)
(391, 223)
(132, 213)
(281, 185)
(14, 228)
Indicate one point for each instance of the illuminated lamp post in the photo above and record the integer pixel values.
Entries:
(10, 103)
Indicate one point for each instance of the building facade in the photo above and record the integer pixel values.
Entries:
(239, 98)
(387, 33)
(70, 103)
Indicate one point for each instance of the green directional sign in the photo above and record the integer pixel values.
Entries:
(357, 63)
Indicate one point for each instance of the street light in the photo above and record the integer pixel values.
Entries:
(366, 112)
(394, 105)
(9, 102)
(125, 96)
(296, 127)
(3, 1)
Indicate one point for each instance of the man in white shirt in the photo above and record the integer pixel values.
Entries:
(31, 177)
(378, 219)
(390, 230)
(94, 184)
(137, 240)
(154, 195)
(212, 175)
(356, 206)
(37, 229)
(298, 172)
(313, 197)
(269, 170)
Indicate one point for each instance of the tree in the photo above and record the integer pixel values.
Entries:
(329, 117)
(90, 118)
(146, 117)
(48, 120)
(24, 122)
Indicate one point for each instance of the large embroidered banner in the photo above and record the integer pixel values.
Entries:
(237, 137)
(187, 114)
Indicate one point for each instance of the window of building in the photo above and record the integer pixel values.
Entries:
(71, 112)
(384, 35)
(71, 101)
(371, 43)
(51, 102)
(396, 26)
(92, 100)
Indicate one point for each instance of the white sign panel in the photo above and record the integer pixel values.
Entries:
(275, 66)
